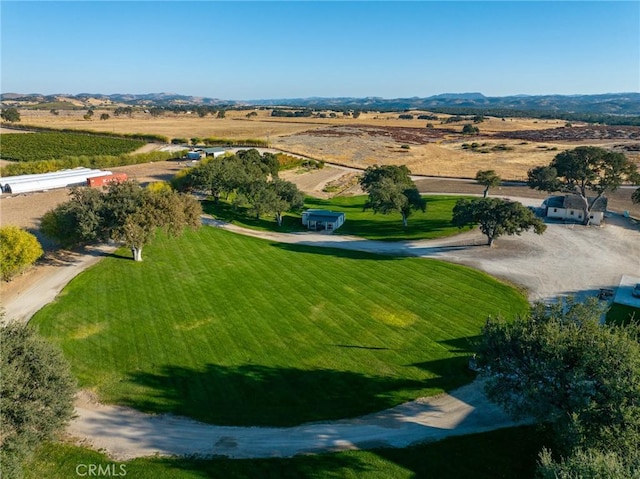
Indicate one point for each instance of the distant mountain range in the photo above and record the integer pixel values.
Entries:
(607, 104)
(626, 104)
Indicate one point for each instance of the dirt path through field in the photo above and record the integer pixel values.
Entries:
(125, 434)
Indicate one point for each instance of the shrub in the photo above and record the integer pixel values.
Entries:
(36, 395)
(18, 249)
(469, 129)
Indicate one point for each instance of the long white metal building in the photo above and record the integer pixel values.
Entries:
(49, 181)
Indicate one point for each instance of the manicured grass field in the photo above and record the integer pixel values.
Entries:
(50, 146)
(503, 454)
(235, 330)
(435, 223)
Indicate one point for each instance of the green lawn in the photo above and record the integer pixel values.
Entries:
(434, 223)
(235, 330)
(503, 454)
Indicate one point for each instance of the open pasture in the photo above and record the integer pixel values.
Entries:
(373, 138)
(435, 152)
(234, 330)
(263, 126)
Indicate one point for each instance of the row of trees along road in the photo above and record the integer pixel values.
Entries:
(251, 178)
(562, 367)
(126, 213)
(582, 170)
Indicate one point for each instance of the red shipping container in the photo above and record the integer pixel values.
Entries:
(100, 181)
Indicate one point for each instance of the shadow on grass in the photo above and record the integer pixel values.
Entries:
(393, 231)
(241, 216)
(502, 454)
(339, 250)
(462, 345)
(302, 467)
(252, 395)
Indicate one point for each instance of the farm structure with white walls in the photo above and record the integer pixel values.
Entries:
(49, 181)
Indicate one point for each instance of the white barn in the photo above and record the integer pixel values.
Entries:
(48, 181)
(571, 208)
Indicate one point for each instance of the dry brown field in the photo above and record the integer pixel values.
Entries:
(373, 138)
(236, 125)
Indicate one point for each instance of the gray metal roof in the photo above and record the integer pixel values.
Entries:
(323, 215)
(574, 202)
(216, 149)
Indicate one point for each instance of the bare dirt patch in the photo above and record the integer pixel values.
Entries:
(315, 182)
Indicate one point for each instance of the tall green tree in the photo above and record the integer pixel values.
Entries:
(18, 249)
(126, 213)
(287, 198)
(582, 170)
(10, 114)
(259, 195)
(488, 179)
(391, 189)
(77, 221)
(134, 214)
(496, 217)
(36, 395)
(561, 366)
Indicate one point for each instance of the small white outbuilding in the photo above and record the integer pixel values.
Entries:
(48, 181)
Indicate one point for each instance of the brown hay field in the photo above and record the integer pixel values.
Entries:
(373, 138)
(237, 126)
(427, 152)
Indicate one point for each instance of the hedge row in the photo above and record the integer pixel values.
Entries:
(95, 161)
(150, 137)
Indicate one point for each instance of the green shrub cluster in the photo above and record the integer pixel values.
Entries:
(133, 136)
(18, 249)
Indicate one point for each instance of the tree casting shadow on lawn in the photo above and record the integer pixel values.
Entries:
(254, 395)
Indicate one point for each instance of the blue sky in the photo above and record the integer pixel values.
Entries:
(251, 50)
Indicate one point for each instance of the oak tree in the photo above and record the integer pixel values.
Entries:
(488, 179)
(126, 213)
(496, 217)
(563, 367)
(10, 114)
(36, 395)
(391, 189)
